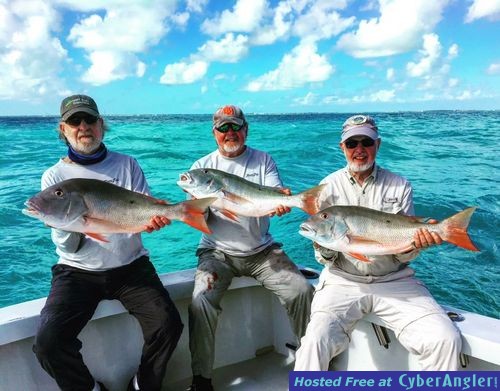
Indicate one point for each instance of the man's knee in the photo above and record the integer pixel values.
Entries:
(47, 344)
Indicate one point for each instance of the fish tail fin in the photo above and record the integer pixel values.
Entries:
(455, 229)
(194, 213)
(309, 199)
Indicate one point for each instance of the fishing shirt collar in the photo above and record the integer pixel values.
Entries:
(86, 160)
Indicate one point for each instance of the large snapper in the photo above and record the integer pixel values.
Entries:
(362, 232)
(237, 196)
(96, 207)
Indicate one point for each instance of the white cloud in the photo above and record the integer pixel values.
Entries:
(124, 30)
(196, 5)
(397, 30)
(279, 28)
(389, 75)
(229, 49)
(302, 65)
(429, 55)
(493, 69)
(322, 21)
(382, 96)
(244, 17)
(30, 57)
(489, 9)
(308, 100)
(184, 73)
(453, 51)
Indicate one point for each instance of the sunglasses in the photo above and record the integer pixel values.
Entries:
(225, 128)
(365, 142)
(76, 119)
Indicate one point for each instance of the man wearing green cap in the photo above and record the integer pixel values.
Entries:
(89, 271)
(239, 248)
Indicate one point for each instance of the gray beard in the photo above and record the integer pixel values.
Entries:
(230, 148)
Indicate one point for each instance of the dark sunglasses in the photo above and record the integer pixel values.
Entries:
(365, 142)
(225, 128)
(76, 119)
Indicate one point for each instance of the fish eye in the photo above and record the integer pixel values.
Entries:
(324, 215)
(205, 171)
(59, 193)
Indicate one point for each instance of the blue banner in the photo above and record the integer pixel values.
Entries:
(393, 381)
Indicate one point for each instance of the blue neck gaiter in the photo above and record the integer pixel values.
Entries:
(85, 160)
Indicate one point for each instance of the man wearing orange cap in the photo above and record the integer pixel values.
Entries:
(242, 248)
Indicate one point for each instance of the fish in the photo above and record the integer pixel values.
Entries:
(237, 196)
(362, 232)
(95, 207)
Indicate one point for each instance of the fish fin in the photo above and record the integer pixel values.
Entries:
(235, 198)
(455, 229)
(309, 199)
(194, 213)
(96, 236)
(360, 257)
(229, 214)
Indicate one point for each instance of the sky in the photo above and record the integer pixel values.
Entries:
(193, 56)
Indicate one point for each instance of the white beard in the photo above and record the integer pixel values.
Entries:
(231, 148)
(357, 167)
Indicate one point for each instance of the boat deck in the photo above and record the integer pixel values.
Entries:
(267, 372)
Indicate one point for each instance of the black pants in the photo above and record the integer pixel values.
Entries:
(73, 298)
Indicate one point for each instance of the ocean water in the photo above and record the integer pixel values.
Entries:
(451, 159)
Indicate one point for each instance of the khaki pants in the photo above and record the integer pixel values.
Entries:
(401, 301)
(271, 267)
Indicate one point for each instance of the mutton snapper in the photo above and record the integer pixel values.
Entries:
(237, 196)
(362, 232)
(96, 207)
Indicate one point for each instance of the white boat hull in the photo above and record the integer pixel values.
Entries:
(251, 343)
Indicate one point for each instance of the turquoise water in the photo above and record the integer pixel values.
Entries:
(451, 158)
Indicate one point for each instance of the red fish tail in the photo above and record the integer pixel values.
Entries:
(310, 200)
(194, 213)
(455, 229)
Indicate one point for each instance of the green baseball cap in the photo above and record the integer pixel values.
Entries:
(78, 103)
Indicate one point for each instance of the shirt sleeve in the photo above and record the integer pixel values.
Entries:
(325, 255)
(272, 176)
(139, 183)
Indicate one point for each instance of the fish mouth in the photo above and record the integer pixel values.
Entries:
(31, 209)
(185, 180)
(306, 230)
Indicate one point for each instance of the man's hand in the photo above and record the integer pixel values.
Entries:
(424, 238)
(156, 223)
(281, 209)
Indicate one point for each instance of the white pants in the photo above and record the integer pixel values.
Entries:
(401, 301)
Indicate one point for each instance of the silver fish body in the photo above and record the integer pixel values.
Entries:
(93, 206)
(362, 232)
(239, 196)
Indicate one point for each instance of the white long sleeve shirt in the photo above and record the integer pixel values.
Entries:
(249, 235)
(383, 191)
(80, 251)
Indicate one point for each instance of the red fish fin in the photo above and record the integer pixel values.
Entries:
(229, 214)
(455, 229)
(235, 198)
(309, 198)
(361, 257)
(194, 213)
(96, 236)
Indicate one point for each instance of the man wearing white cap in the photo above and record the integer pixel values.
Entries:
(348, 288)
(242, 248)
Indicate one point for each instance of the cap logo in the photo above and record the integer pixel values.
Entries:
(358, 120)
(228, 110)
(77, 101)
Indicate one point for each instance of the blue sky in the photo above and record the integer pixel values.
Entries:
(166, 56)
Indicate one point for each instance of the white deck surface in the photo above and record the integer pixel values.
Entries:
(268, 372)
